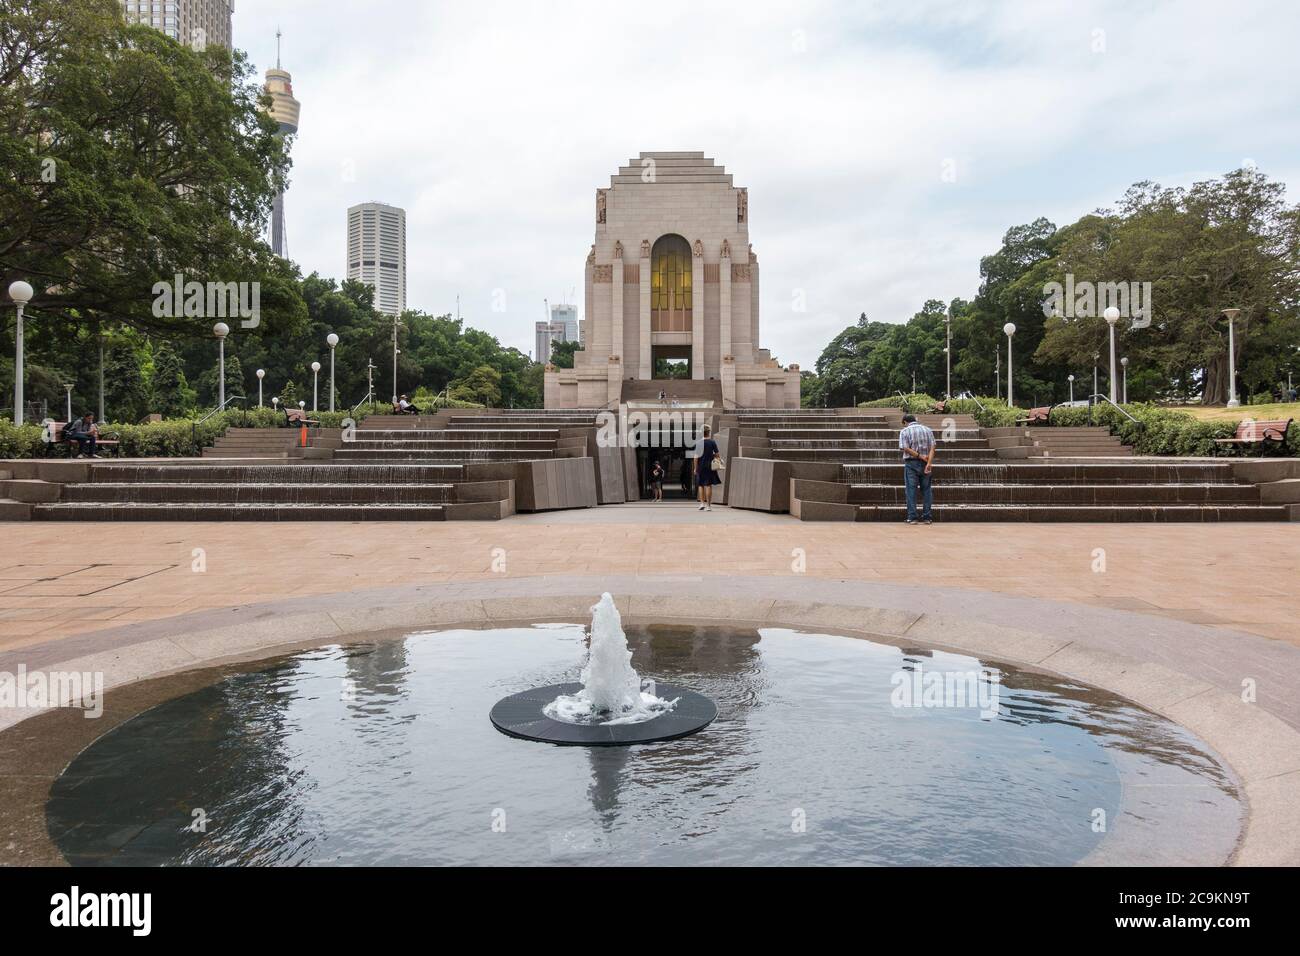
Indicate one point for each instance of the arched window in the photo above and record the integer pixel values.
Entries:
(670, 285)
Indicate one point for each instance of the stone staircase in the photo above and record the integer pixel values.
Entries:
(269, 443)
(201, 491)
(1143, 490)
(458, 437)
(818, 435)
(844, 465)
(687, 390)
(1082, 441)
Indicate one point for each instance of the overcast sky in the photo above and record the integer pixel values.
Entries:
(493, 124)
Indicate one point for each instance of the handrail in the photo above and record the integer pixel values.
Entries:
(194, 426)
(1106, 398)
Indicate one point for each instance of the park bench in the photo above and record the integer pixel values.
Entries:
(55, 438)
(1250, 432)
(1037, 416)
(298, 417)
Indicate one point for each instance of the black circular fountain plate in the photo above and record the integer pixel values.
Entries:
(520, 715)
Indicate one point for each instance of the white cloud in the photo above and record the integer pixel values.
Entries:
(493, 123)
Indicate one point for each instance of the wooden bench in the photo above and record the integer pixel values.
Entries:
(298, 416)
(1037, 416)
(56, 438)
(1250, 432)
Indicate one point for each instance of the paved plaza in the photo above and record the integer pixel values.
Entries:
(61, 580)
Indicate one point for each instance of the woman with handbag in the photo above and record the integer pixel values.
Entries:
(708, 470)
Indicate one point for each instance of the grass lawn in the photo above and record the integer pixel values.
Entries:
(1214, 413)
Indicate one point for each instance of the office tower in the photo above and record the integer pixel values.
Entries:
(284, 110)
(377, 252)
(562, 327)
(196, 23)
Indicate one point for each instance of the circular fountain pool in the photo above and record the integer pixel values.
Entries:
(826, 750)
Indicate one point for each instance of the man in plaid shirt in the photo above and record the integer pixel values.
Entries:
(916, 441)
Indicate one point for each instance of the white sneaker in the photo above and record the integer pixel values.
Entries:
(708, 508)
(701, 507)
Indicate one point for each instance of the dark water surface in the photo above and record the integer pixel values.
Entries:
(382, 753)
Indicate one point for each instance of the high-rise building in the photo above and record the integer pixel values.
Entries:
(284, 110)
(377, 252)
(196, 23)
(562, 327)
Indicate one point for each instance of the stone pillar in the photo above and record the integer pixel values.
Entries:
(614, 367)
(727, 363)
(697, 311)
(646, 365)
(616, 309)
(724, 305)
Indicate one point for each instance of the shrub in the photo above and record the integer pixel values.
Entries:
(1161, 431)
(21, 441)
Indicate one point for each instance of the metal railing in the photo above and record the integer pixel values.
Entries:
(1092, 400)
(194, 426)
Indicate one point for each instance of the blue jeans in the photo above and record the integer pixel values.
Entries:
(913, 475)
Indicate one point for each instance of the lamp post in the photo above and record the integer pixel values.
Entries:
(69, 389)
(1096, 357)
(1010, 329)
(947, 353)
(1124, 366)
(396, 353)
(1071, 380)
(21, 293)
(261, 374)
(221, 330)
(331, 340)
(997, 374)
(315, 391)
(275, 403)
(1112, 316)
(1232, 359)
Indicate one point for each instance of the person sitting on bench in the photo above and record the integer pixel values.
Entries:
(85, 433)
(406, 408)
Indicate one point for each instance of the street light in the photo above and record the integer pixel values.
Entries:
(315, 392)
(221, 330)
(947, 352)
(1096, 357)
(21, 293)
(997, 373)
(261, 374)
(275, 403)
(69, 388)
(331, 340)
(396, 352)
(1071, 380)
(1124, 364)
(1112, 316)
(1010, 329)
(1231, 358)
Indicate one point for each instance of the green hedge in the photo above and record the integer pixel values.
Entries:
(1162, 431)
(995, 413)
(26, 441)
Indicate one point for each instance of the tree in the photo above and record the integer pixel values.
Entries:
(131, 158)
(481, 385)
(171, 395)
(562, 353)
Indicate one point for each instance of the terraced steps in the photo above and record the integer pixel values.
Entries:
(233, 511)
(1082, 513)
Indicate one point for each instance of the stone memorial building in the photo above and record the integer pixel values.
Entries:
(672, 295)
